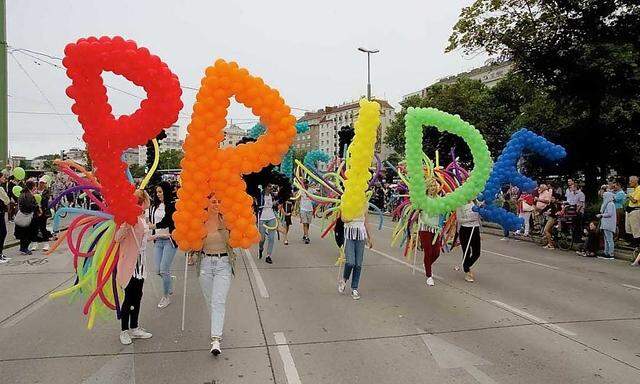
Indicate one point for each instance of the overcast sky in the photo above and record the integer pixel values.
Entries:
(307, 50)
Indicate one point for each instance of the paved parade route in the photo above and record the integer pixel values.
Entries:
(532, 316)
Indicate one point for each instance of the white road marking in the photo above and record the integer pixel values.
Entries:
(449, 356)
(290, 370)
(533, 318)
(402, 262)
(256, 274)
(631, 286)
(522, 260)
(118, 369)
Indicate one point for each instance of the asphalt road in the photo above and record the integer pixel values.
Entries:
(532, 316)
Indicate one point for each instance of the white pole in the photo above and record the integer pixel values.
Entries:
(464, 255)
(184, 290)
(415, 253)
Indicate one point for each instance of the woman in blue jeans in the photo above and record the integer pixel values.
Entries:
(216, 271)
(356, 235)
(164, 249)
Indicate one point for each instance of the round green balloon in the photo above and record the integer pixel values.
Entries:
(17, 190)
(19, 173)
(38, 198)
(414, 120)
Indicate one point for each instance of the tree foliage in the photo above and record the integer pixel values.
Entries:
(585, 56)
(170, 159)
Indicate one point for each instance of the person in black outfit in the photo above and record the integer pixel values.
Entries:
(27, 206)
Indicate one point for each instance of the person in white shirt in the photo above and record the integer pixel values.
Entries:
(356, 234)
(469, 233)
(267, 223)
(306, 214)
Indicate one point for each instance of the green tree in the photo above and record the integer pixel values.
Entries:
(585, 55)
(170, 159)
(137, 170)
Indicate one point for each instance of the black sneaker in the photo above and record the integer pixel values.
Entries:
(605, 257)
(268, 260)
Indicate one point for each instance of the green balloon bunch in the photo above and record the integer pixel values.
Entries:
(482, 163)
(360, 155)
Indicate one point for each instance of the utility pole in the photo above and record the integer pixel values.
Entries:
(368, 52)
(4, 120)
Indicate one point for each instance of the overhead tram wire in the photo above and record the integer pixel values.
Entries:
(44, 96)
(31, 54)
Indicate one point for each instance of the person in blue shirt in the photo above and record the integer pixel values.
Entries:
(619, 199)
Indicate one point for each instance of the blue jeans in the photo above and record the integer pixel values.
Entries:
(608, 242)
(215, 280)
(163, 253)
(354, 252)
(269, 234)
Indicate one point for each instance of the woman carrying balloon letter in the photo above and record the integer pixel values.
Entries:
(429, 235)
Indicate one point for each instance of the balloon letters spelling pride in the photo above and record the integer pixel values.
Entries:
(208, 169)
(414, 120)
(106, 136)
(359, 157)
(505, 172)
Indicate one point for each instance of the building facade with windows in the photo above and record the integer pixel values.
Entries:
(232, 134)
(345, 115)
(308, 141)
(489, 75)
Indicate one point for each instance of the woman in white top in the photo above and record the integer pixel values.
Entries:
(216, 270)
(356, 234)
(267, 224)
(469, 233)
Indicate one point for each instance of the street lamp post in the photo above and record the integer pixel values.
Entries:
(368, 52)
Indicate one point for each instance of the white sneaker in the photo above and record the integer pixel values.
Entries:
(125, 339)
(355, 295)
(430, 281)
(215, 347)
(46, 247)
(341, 286)
(4, 259)
(504, 238)
(164, 301)
(33, 247)
(139, 333)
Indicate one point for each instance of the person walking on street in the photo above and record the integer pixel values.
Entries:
(216, 270)
(469, 234)
(306, 215)
(130, 308)
(607, 218)
(428, 234)
(267, 223)
(356, 235)
(164, 247)
(4, 207)
(632, 217)
(24, 228)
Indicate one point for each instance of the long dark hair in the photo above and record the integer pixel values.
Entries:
(167, 192)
